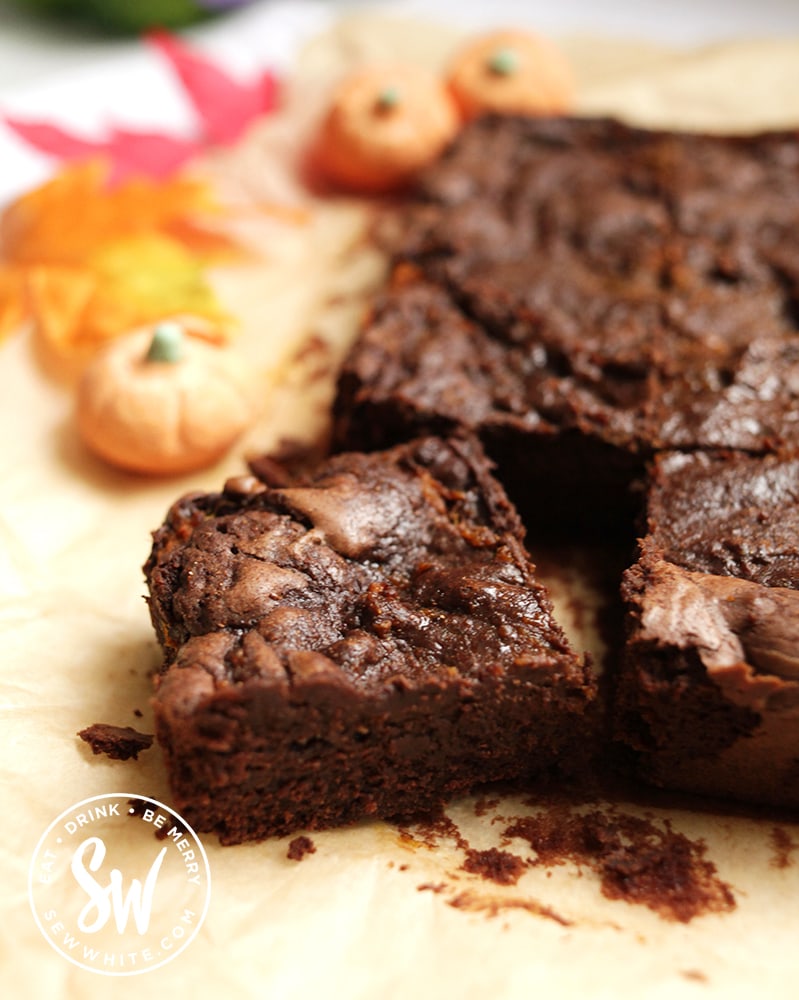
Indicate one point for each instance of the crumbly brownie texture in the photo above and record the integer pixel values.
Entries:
(584, 296)
(708, 695)
(366, 640)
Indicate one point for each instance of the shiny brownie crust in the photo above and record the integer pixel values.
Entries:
(366, 640)
(583, 294)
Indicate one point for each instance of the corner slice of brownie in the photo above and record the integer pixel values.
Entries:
(366, 640)
(708, 695)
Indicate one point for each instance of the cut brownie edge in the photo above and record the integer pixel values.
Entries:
(251, 762)
(707, 696)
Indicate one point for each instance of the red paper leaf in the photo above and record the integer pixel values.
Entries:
(150, 153)
(131, 153)
(270, 91)
(225, 106)
(52, 140)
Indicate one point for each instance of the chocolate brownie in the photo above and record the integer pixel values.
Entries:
(587, 295)
(365, 640)
(708, 695)
(586, 298)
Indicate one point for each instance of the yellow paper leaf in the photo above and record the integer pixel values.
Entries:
(124, 285)
(144, 278)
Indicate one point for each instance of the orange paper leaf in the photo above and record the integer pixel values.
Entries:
(58, 298)
(12, 300)
(68, 218)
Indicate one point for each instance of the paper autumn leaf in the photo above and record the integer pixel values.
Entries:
(86, 262)
(57, 299)
(67, 218)
(143, 277)
(52, 139)
(12, 299)
(224, 107)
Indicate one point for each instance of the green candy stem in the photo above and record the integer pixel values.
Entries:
(388, 99)
(504, 62)
(167, 344)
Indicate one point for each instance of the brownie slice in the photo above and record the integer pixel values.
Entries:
(366, 640)
(708, 695)
(587, 295)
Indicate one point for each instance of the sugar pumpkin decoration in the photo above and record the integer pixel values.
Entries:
(384, 123)
(164, 399)
(511, 72)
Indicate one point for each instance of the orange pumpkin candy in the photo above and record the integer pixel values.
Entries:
(164, 400)
(383, 125)
(511, 72)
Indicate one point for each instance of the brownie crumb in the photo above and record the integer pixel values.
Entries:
(784, 845)
(138, 713)
(493, 906)
(313, 360)
(431, 832)
(299, 847)
(495, 865)
(694, 975)
(312, 347)
(636, 860)
(138, 807)
(116, 742)
(436, 887)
